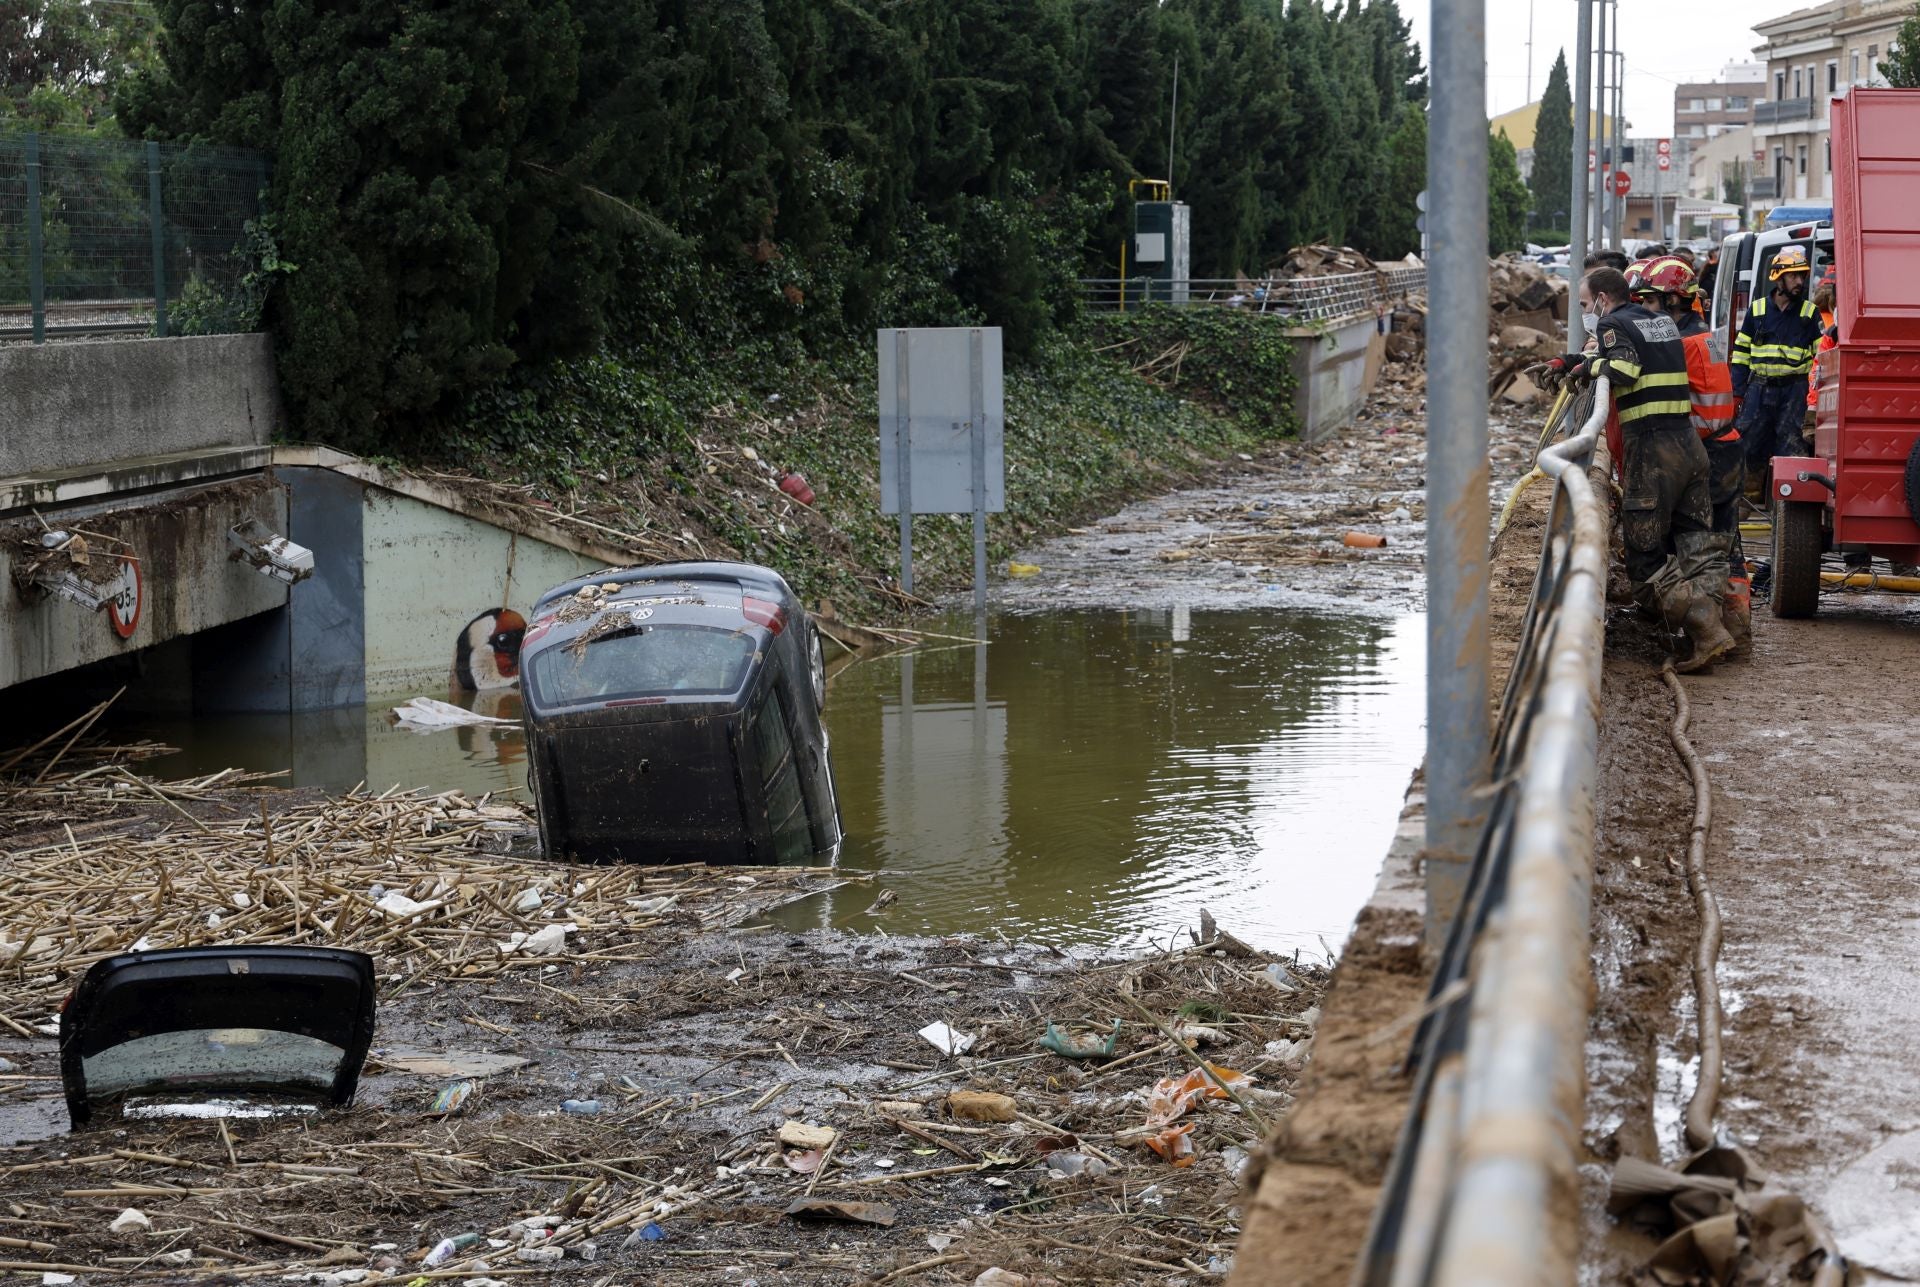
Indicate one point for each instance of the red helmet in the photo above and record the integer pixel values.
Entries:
(1666, 275)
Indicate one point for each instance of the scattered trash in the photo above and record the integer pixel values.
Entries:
(55, 1280)
(648, 1232)
(1067, 1163)
(998, 1277)
(939, 1241)
(176, 1258)
(529, 900)
(1281, 977)
(1022, 569)
(425, 714)
(1171, 1097)
(450, 1099)
(549, 940)
(540, 1255)
(394, 903)
(796, 486)
(946, 1040)
(1363, 541)
(447, 1248)
(887, 898)
(1200, 1034)
(806, 1161)
(450, 1063)
(797, 1134)
(7, 1065)
(875, 1213)
(581, 1107)
(982, 1106)
(1236, 1159)
(1175, 1144)
(131, 1220)
(1082, 1041)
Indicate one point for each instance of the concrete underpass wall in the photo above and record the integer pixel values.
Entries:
(430, 571)
(395, 580)
(67, 406)
(187, 581)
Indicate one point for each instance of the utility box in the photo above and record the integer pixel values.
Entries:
(1161, 254)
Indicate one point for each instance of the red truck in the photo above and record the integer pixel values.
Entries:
(1859, 492)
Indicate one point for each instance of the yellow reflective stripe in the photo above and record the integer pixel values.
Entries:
(1629, 369)
(1662, 378)
(1629, 414)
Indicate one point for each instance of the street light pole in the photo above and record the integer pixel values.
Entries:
(1582, 148)
(1458, 737)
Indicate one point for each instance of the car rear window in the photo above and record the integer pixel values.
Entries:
(643, 661)
(213, 1056)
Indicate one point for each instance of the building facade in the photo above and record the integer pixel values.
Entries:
(1705, 110)
(1812, 55)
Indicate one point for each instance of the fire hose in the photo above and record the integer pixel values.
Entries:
(1704, 1104)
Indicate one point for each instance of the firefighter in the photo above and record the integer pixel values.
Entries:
(1675, 560)
(1771, 358)
(1668, 286)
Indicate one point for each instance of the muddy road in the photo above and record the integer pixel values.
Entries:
(1811, 859)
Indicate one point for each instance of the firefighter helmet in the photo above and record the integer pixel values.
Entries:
(1791, 259)
(1667, 275)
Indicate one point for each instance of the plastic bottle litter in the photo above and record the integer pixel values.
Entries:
(581, 1107)
(447, 1248)
(451, 1098)
(539, 1255)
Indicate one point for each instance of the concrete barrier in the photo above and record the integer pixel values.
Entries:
(66, 407)
(1335, 366)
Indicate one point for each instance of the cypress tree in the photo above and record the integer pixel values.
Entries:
(1551, 180)
(1506, 196)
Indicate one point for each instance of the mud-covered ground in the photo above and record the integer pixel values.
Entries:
(1810, 857)
(1272, 531)
(695, 1035)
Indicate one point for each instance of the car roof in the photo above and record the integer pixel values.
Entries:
(734, 577)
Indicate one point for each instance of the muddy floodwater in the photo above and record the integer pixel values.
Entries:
(1090, 777)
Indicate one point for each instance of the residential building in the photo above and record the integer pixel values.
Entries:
(1812, 55)
(1707, 109)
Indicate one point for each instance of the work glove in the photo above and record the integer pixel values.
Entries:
(1558, 370)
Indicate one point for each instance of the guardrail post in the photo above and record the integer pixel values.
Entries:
(1458, 750)
(36, 242)
(157, 218)
(1580, 235)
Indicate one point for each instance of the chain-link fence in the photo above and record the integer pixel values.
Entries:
(101, 235)
(1297, 299)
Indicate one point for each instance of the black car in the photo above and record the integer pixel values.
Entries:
(673, 715)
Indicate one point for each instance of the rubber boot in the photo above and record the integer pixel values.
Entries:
(1709, 638)
(1736, 614)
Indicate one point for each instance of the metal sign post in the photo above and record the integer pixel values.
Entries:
(942, 422)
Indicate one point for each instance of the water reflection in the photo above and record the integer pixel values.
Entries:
(1102, 776)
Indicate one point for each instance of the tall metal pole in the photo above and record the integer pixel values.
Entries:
(1457, 668)
(1599, 177)
(1582, 141)
(1619, 127)
(1173, 122)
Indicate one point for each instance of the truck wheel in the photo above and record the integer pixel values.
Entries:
(1796, 559)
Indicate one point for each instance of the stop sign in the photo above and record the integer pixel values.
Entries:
(1622, 183)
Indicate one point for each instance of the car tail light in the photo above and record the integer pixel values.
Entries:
(762, 613)
(1800, 232)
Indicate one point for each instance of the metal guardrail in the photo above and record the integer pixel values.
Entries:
(1482, 1187)
(1305, 299)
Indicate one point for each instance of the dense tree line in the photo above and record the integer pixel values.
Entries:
(465, 186)
(1551, 179)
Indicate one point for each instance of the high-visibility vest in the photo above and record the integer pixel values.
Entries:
(1813, 377)
(1709, 386)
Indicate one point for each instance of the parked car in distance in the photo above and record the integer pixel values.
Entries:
(673, 715)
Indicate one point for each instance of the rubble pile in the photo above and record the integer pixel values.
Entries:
(1527, 307)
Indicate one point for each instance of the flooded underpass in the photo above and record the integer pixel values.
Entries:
(1089, 777)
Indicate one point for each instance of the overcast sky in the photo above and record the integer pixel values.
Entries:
(1664, 43)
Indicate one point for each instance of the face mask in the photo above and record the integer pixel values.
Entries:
(1591, 321)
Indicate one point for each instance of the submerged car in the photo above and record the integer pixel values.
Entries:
(673, 715)
(282, 1022)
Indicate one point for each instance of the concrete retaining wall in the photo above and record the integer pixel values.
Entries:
(68, 406)
(1335, 367)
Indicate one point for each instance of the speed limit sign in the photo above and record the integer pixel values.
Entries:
(123, 609)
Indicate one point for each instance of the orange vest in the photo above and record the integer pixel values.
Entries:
(1710, 387)
(1813, 376)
